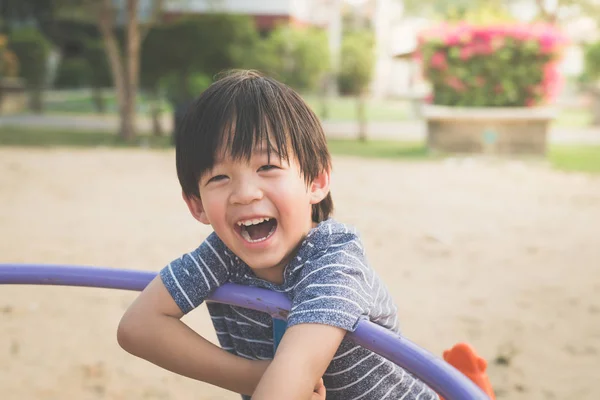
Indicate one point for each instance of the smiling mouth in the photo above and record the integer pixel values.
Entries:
(257, 230)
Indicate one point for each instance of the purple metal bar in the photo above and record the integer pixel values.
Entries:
(439, 375)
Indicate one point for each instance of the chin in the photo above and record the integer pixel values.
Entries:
(264, 264)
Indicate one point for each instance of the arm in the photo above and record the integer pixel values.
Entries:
(151, 329)
(333, 293)
(301, 359)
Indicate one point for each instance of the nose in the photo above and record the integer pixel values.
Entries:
(245, 192)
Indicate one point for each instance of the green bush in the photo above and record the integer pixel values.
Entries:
(511, 65)
(591, 70)
(201, 45)
(357, 61)
(32, 50)
(100, 75)
(72, 73)
(298, 57)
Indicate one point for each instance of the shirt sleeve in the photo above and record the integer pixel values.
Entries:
(191, 278)
(335, 287)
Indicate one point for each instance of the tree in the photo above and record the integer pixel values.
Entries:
(454, 10)
(31, 49)
(183, 70)
(356, 71)
(125, 67)
(299, 57)
(124, 62)
(99, 71)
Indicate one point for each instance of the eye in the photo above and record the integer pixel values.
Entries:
(216, 178)
(268, 167)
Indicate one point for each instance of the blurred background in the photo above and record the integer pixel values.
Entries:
(466, 145)
(367, 67)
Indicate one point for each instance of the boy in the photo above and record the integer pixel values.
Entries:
(252, 161)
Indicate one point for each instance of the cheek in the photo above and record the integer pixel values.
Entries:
(291, 196)
(214, 206)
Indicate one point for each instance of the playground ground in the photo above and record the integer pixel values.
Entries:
(504, 255)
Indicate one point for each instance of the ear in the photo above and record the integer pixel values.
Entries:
(319, 187)
(196, 208)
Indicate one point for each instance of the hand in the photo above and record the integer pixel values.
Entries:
(319, 392)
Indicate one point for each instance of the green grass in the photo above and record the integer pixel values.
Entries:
(573, 118)
(344, 109)
(28, 137)
(340, 108)
(562, 157)
(575, 158)
(385, 149)
(81, 103)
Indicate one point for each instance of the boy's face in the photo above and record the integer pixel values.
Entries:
(261, 209)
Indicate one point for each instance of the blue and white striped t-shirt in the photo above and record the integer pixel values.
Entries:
(328, 282)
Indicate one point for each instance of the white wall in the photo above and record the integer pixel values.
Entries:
(253, 7)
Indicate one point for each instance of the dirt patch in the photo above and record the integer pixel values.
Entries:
(501, 255)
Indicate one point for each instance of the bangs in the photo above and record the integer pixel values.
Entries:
(234, 121)
(248, 127)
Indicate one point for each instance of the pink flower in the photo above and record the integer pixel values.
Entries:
(552, 81)
(456, 84)
(438, 61)
(466, 53)
(483, 48)
(452, 39)
(530, 102)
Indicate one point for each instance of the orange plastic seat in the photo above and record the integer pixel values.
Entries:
(464, 358)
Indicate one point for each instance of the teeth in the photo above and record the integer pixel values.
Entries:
(255, 221)
(247, 237)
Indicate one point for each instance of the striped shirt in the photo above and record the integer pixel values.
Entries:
(328, 282)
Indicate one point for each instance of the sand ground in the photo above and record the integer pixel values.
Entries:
(503, 255)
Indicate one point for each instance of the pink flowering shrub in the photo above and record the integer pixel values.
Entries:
(492, 66)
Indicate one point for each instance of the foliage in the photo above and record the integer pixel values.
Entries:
(458, 10)
(591, 70)
(89, 69)
(299, 57)
(32, 50)
(100, 75)
(72, 73)
(9, 64)
(357, 62)
(178, 52)
(510, 65)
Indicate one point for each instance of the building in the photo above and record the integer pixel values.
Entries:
(266, 13)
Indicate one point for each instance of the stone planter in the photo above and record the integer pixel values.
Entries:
(502, 131)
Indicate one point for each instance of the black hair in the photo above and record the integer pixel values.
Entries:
(240, 112)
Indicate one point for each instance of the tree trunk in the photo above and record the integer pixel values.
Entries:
(125, 79)
(98, 100)
(361, 117)
(105, 24)
(155, 113)
(36, 103)
(325, 100)
(546, 15)
(133, 69)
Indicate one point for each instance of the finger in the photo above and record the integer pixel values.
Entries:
(319, 385)
(322, 392)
